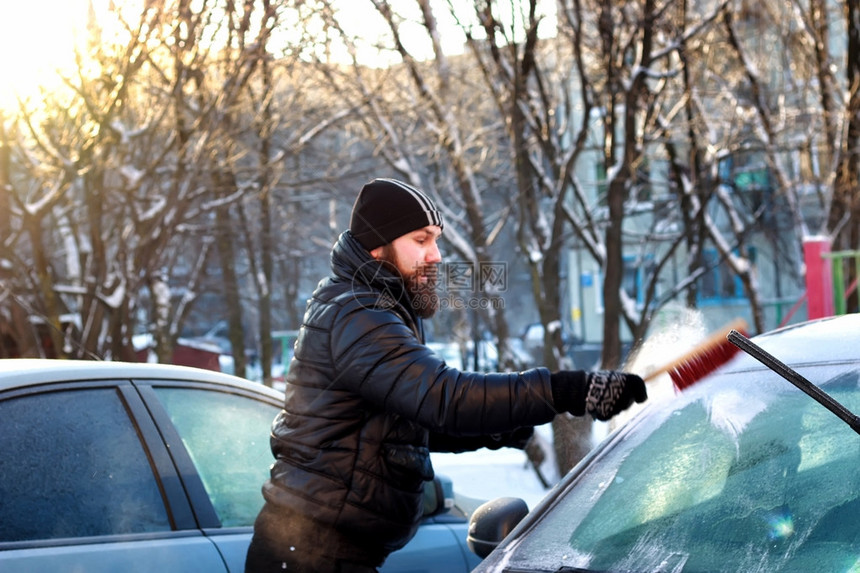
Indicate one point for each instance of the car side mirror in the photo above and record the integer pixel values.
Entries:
(492, 522)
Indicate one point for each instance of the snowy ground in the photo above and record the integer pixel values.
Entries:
(488, 474)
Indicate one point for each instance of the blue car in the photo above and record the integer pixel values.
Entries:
(108, 466)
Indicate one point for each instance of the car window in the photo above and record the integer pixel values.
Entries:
(742, 479)
(226, 436)
(72, 465)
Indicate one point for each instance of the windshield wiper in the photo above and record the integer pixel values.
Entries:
(795, 378)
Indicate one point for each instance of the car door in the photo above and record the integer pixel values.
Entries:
(87, 484)
(218, 439)
(439, 546)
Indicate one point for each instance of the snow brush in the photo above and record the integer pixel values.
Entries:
(703, 359)
(811, 390)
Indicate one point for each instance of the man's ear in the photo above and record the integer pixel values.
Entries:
(376, 253)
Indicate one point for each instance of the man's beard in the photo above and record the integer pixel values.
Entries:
(423, 298)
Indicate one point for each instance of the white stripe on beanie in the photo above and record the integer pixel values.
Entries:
(433, 216)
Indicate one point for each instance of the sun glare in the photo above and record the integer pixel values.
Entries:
(36, 41)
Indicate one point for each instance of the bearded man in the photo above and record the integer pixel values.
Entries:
(367, 401)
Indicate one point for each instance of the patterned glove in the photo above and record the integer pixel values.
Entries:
(610, 392)
(603, 394)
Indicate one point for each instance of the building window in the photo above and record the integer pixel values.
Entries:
(602, 183)
(642, 185)
(720, 283)
(638, 271)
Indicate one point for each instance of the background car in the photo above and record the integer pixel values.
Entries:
(108, 467)
(740, 472)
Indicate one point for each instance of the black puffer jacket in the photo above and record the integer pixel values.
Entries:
(366, 400)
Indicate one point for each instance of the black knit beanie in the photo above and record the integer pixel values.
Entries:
(386, 209)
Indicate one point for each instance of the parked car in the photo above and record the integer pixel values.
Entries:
(740, 472)
(486, 359)
(108, 467)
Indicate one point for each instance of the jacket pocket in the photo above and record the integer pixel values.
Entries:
(408, 463)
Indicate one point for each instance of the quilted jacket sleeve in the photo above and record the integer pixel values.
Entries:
(378, 356)
(518, 439)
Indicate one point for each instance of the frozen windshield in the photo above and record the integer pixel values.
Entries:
(745, 474)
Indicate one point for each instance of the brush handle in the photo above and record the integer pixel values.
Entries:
(795, 378)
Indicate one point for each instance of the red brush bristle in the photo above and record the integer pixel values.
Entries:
(704, 362)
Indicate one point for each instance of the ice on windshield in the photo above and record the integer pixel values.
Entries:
(746, 478)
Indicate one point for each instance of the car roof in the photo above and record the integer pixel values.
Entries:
(21, 372)
(826, 340)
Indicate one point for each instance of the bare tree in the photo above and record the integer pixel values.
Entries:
(845, 204)
(791, 87)
(64, 193)
(423, 116)
(111, 181)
